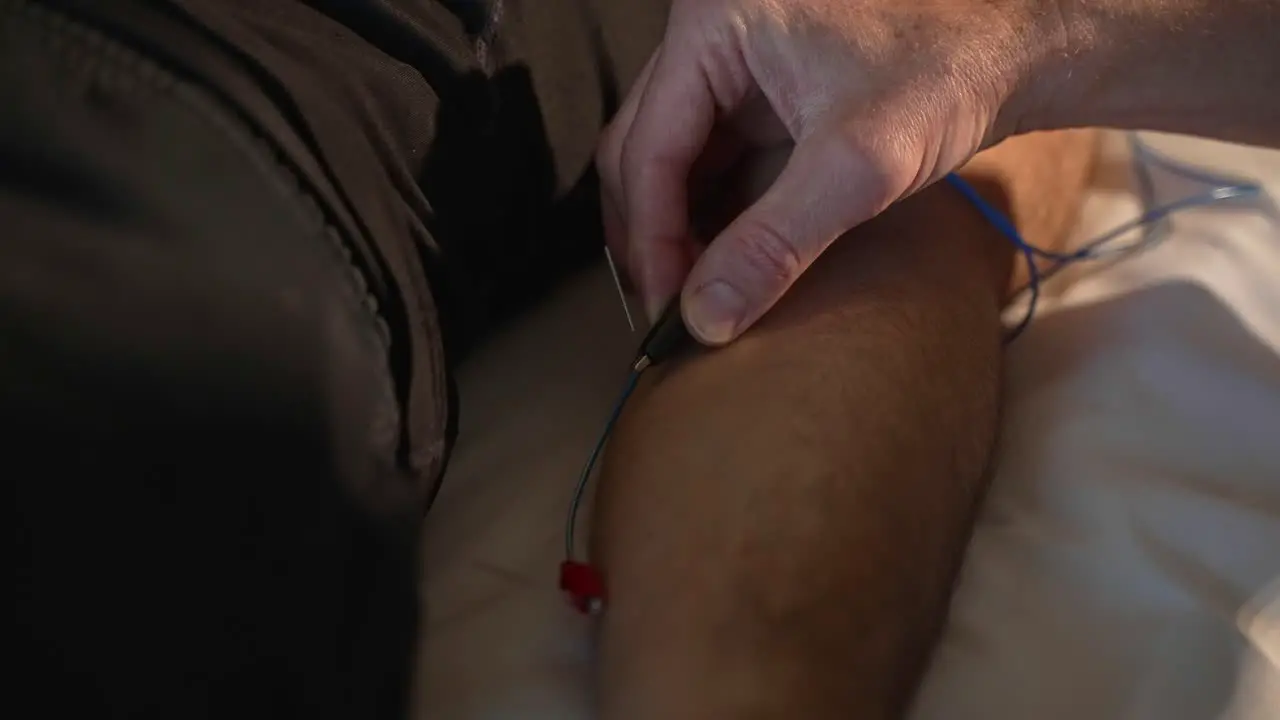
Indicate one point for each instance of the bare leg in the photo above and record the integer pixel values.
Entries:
(780, 521)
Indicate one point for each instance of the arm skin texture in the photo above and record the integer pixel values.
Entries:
(1201, 67)
(780, 521)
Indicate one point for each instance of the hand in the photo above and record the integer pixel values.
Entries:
(879, 97)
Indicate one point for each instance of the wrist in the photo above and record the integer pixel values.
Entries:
(1188, 66)
(1060, 39)
(1109, 63)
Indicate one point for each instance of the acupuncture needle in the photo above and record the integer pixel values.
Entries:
(617, 283)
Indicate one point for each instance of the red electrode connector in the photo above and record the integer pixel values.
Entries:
(583, 585)
(579, 580)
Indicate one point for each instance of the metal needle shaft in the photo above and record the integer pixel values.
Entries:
(617, 282)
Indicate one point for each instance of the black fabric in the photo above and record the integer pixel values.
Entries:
(241, 244)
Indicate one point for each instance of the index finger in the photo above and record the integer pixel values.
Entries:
(673, 121)
(609, 168)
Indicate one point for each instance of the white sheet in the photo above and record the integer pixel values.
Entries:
(1127, 564)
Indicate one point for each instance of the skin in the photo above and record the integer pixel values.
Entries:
(1199, 67)
(882, 98)
(779, 521)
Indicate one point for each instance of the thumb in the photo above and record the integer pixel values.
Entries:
(829, 185)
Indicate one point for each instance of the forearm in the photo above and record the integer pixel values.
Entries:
(780, 520)
(1204, 67)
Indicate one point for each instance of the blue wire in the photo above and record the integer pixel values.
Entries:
(993, 216)
(1097, 248)
(1005, 227)
(1093, 250)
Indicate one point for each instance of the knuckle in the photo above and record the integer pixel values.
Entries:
(640, 160)
(766, 251)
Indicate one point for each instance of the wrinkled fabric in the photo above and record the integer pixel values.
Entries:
(243, 245)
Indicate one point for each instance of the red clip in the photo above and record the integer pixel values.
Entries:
(584, 586)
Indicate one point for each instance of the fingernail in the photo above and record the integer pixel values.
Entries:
(715, 311)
